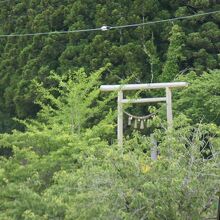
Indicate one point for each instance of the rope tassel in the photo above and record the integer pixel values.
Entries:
(148, 123)
(138, 119)
(135, 123)
(142, 124)
(129, 120)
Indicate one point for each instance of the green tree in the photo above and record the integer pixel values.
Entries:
(200, 100)
(26, 58)
(175, 53)
(55, 171)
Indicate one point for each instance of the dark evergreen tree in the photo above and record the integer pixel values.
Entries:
(23, 59)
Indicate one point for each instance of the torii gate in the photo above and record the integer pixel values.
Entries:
(126, 87)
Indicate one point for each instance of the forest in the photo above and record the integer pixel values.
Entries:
(59, 156)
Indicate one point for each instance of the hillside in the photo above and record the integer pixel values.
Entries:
(60, 155)
(23, 59)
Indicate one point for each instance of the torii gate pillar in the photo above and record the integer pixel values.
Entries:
(120, 118)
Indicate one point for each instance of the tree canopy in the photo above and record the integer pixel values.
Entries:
(59, 158)
(190, 44)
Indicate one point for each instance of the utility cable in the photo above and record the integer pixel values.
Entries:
(167, 20)
(5, 1)
(49, 32)
(105, 28)
(9, 1)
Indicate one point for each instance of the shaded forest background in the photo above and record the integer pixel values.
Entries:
(139, 53)
(59, 159)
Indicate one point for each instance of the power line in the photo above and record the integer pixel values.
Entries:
(167, 20)
(5, 1)
(105, 28)
(49, 32)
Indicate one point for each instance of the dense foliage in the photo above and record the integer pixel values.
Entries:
(141, 52)
(58, 153)
(56, 171)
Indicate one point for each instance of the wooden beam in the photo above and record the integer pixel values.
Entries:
(153, 148)
(218, 214)
(145, 100)
(120, 119)
(169, 108)
(108, 88)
